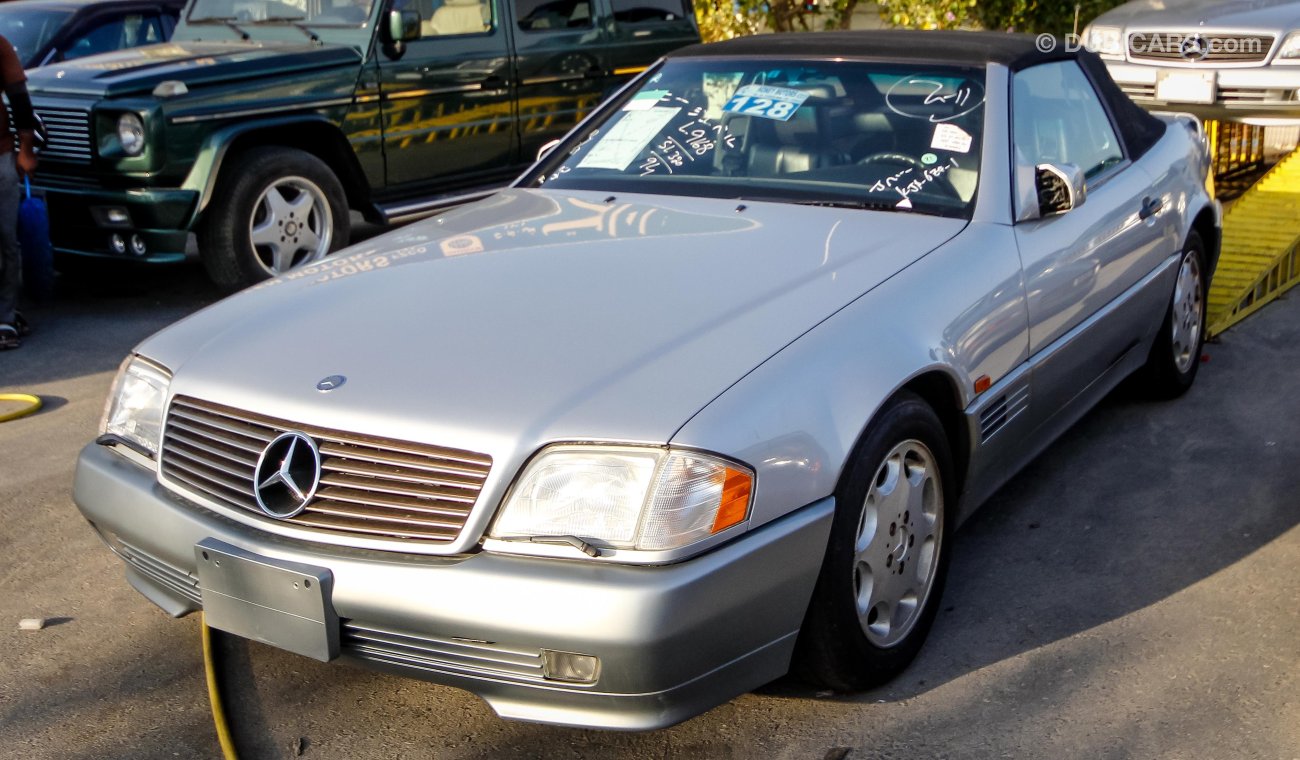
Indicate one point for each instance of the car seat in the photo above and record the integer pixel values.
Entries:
(458, 17)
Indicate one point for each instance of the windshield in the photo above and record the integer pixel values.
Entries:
(29, 30)
(872, 135)
(351, 13)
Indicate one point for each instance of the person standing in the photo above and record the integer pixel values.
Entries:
(16, 162)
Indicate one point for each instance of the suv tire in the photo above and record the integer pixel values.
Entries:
(275, 208)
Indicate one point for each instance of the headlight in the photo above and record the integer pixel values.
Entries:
(1290, 49)
(135, 406)
(130, 133)
(1105, 40)
(625, 497)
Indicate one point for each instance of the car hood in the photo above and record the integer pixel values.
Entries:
(1209, 14)
(535, 316)
(139, 70)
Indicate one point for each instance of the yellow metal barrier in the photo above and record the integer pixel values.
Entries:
(1261, 229)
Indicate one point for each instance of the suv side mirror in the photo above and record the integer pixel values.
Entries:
(1060, 187)
(397, 29)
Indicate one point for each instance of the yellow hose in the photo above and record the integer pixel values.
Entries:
(214, 696)
(32, 404)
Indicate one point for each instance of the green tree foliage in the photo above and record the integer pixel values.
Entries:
(928, 14)
(1033, 16)
(725, 19)
(1038, 16)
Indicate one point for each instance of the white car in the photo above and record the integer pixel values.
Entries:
(1219, 60)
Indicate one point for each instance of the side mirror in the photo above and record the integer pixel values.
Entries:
(546, 149)
(1060, 187)
(397, 29)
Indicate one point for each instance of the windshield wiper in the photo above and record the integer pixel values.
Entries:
(293, 21)
(859, 205)
(227, 20)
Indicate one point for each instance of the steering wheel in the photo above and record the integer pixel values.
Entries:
(892, 157)
(941, 184)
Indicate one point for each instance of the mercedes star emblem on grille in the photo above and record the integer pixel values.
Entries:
(1194, 48)
(287, 475)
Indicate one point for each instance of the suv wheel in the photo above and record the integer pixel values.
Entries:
(275, 209)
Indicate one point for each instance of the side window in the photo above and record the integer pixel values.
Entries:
(444, 18)
(649, 11)
(142, 30)
(553, 15)
(105, 36)
(1058, 118)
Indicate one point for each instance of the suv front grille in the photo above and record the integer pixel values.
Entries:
(1223, 48)
(67, 130)
(369, 487)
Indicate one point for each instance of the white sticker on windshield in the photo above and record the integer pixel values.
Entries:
(644, 101)
(625, 140)
(951, 137)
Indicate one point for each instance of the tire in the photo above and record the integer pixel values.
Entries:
(1176, 353)
(275, 208)
(887, 557)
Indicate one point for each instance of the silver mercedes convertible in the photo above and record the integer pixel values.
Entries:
(698, 401)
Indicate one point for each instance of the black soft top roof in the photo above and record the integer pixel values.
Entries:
(1139, 129)
(961, 48)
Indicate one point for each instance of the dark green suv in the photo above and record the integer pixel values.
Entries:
(263, 125)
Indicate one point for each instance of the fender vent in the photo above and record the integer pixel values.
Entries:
(1002, 411)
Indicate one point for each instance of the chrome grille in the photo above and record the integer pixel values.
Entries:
(1139, 91)
(67, 130)
(383, 645)
(371, 487)
(1224, 48)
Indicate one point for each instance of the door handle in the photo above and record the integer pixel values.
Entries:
(1150, 207)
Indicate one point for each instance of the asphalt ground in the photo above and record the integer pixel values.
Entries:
(1134, 593)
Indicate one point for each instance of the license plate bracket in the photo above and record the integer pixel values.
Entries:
(1186, 86)
(277, 602)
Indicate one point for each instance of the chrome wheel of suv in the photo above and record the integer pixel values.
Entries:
(291, 225)
(275, 208)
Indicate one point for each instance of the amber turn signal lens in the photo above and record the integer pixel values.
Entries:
(736, 488)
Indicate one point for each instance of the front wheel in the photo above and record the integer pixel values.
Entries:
(885, 564)
(276, 208)
(1176, 354)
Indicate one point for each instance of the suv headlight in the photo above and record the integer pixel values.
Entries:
(625, 497)
(1104, 40)
(1290, 50)
(130, 134)
(134, 410)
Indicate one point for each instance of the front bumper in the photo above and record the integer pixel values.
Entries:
(673, 641)
(1258, 95)
(160, 217)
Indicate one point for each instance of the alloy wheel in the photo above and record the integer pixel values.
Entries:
(896, 551)
(292, 225)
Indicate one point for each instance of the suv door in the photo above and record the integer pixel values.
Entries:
(1080, 266)
(448, 103)
(643, 30)
(561, 67)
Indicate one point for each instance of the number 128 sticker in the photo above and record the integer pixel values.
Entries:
(778, 103)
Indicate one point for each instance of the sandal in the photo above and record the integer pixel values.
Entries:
(9, 337)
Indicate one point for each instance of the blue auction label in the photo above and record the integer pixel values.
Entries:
(777, 103)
